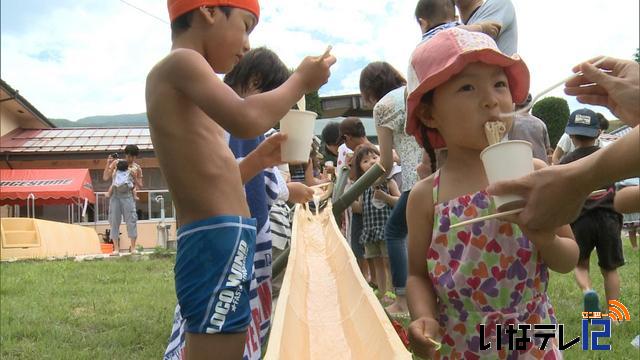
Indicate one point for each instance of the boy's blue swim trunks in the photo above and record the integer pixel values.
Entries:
(214, 265)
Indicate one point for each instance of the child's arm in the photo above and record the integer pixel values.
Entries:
(558, 247)
(311, 180)
(490, 28)
(421, 296)
(393, 189)
(356, 207)
(190, 74)
(137, 177)
(299, 193)
(392, 197)
(266, 155)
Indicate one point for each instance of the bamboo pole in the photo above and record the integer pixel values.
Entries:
(362, 184)
(341, 182)
(344, 201)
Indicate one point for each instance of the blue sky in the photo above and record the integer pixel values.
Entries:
(73, 59)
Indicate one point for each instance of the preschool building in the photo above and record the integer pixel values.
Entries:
(45, 167)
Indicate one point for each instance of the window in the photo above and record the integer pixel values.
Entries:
(142, 205)
(155, 209)
(60, 213)
(102, 207)
(146, 208)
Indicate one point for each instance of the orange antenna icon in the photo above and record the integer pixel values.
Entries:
(617, 311)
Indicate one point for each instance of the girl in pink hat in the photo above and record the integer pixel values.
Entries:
(492, 272)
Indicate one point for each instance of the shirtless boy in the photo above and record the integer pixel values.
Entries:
(189, 108)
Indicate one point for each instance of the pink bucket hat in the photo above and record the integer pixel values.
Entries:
(446, 54)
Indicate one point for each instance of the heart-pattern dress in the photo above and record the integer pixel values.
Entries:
(487, 272)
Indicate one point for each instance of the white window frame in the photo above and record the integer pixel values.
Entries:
(150, 220)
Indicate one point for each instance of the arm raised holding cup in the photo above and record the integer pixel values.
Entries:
(555, 195)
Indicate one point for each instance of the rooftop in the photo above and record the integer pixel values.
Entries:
(17, 104)
(77, 140)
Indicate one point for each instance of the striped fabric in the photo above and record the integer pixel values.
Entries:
(280, 218)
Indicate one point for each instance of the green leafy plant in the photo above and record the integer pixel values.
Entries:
(159, 252)
(554, 111)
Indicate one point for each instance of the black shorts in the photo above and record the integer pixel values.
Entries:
(600, 229)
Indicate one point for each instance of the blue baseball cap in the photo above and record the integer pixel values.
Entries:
(583, 122)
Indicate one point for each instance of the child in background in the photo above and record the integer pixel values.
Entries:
(630, 221)
(189, 109)
(491, 272)
(434, 16)
(375, 205)
(123, 179)
(598, 225)
(309, 172)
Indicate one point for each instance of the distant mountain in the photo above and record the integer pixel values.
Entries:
(105, 121)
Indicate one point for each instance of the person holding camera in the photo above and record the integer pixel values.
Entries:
(122, 203)
(123, 177)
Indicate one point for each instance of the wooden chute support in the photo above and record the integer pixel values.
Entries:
(326, 309)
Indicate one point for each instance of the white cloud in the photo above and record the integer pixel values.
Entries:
(80, 61)
(103, 61)
(554, 36)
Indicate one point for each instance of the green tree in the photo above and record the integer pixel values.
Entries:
(554, 112)
(313, 103)
(637, 55)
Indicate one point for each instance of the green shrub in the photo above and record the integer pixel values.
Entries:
(554, 111)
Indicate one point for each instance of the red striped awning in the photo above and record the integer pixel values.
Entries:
(48, 186)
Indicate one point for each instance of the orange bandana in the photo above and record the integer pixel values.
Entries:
(180, 7)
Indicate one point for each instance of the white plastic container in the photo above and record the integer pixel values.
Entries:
(298, 125)
(507, 161)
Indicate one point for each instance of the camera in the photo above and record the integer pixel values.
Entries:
(114, 155)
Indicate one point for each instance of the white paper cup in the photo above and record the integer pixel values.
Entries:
(298, 125)
(378, 204)
(507, 161)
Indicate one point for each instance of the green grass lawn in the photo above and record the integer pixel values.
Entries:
(122, 309)
(566, 298)
(116, 309)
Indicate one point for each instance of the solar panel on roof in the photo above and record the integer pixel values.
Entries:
(45, 133)
(105, 141)
(30, 143)
(67, 141)
(84, 140)
(54, 142)
(88, 132)
(92, 141)
(75, 133)
(119, 141)
(80, 141)
(59, 134)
